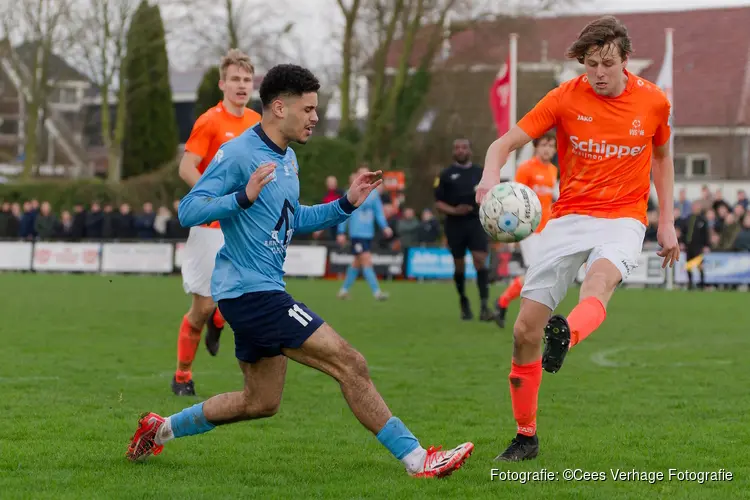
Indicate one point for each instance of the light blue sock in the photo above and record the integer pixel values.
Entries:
(397, 438)
(190, 421)
(371, 278)
(351, 276)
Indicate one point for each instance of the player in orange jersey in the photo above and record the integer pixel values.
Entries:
(541, 176)
(609, 124)
(225, 121)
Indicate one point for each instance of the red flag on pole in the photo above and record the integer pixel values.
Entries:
(500, 99)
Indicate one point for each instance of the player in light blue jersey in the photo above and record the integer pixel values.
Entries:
(361, 229)
(252, 188)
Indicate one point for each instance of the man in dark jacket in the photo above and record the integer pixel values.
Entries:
(5, 217)
(696, 238)
(125, 224)
(108, 222)
(79, 223)
(27, 222)
(94, 222)
(46, 223)
(144, 222)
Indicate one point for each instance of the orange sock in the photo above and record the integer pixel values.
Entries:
(510, 293)
(585, 318)
(524, 394)
(187, 346)
(218, 319)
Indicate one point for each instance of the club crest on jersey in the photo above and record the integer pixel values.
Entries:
(289, 167)
(636, 128)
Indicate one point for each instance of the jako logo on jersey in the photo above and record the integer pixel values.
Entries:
(583, 118)
(601, 149)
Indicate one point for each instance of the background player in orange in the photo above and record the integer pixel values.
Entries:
(225, 121)
(609, 123)
(540, 175)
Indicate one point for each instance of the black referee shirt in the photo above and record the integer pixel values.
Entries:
(456, 185)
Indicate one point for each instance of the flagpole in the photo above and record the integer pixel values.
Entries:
(669, 34)
(513, 94)
(669, 62)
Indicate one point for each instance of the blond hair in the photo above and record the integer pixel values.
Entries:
(235, 57)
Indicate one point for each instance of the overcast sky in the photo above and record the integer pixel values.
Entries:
(646, 5)
(312, 16)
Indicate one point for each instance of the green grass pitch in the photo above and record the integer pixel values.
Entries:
(663, 384)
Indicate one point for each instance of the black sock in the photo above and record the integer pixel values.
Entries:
(483, 283)
(460, 280)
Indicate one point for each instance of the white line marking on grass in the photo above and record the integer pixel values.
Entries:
(603, 358)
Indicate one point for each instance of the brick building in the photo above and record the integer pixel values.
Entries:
(711, 78)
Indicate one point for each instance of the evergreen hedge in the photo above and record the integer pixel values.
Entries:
(319, 158)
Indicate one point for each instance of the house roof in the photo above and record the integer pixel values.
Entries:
(185, 81)
(711, 54)
(58, 69)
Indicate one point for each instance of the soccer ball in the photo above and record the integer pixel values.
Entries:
(510, 212)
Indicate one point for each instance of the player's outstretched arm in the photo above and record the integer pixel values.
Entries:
(662, 167)
(310, 219)
(536, 122)
(222, 191)
(497, 156)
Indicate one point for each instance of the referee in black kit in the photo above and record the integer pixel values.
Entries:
(455, 196)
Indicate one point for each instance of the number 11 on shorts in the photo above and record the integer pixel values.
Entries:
(297, 313)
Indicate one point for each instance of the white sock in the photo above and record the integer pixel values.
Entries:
(414, 461)
(164, 433)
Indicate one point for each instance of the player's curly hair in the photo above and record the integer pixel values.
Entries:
(598, 34)
(286, 80)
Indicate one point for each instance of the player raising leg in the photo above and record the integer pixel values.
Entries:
(225, 121)
(258, 204)
(541, 176)
(600, 217)
(362, 231)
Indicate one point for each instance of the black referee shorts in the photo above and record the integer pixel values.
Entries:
(465, 234)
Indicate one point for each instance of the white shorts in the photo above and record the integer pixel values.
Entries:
(569, 242)
(530, 249)
(199, 258)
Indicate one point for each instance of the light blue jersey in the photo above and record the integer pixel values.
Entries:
(255, 235)
(362, 223)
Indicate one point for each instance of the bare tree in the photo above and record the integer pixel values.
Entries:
(412, 23)
(101, 29)
(206, 29)
(43, 25)
(350, 10)
(418, 29)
